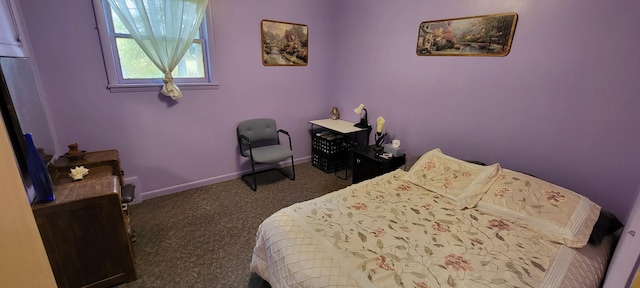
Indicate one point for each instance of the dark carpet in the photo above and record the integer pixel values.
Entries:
(204, 237)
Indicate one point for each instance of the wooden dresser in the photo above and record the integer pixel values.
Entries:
(100, 164)
(85, 230)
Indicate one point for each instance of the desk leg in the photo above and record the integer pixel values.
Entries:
(346, 169)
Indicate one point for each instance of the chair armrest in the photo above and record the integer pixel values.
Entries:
(248, 142)
(284, 132)
(245, 138)
(288, 136)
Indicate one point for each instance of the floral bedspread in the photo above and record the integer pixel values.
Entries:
(387, 232)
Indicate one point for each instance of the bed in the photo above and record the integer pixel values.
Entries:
(443, 223)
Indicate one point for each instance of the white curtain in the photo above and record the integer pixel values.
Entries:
(164, 29)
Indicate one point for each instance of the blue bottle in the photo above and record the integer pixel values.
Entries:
(40, 177)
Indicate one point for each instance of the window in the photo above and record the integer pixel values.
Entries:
(129, 68)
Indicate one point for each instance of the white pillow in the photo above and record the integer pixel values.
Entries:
(557, 213)
(461, 182)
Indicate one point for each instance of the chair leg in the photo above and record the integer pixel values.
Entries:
(255, 182)
(291, 176)
(253, 174)
(293, 170)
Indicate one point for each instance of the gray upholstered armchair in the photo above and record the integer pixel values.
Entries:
(259, 140)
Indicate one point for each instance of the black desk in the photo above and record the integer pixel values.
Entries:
(330, 143)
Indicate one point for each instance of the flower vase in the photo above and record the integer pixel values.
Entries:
(40, 178)
(379, 137)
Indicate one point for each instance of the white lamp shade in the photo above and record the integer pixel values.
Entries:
(359, 109)
(380, 124)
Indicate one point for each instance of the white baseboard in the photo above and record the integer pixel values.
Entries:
(145, 195)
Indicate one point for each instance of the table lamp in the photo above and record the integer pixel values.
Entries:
(364, 123)
(379, 135)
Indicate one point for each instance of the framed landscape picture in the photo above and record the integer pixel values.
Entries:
(487, 35)
(284, 44)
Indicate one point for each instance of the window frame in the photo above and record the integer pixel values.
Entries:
(116, 83)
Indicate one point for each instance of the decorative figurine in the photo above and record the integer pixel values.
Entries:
(74, 153)
(335, 114)
(78, 173)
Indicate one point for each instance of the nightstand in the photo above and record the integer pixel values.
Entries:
(366, 164)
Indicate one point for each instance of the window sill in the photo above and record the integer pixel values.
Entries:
(120, 88)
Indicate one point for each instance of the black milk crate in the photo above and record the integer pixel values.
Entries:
(328, 164)
(329, 143)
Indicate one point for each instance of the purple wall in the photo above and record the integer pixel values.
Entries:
(174, 147)
(560, 105)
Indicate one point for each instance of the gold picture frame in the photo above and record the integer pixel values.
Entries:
(284, 43)
(486, 35)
